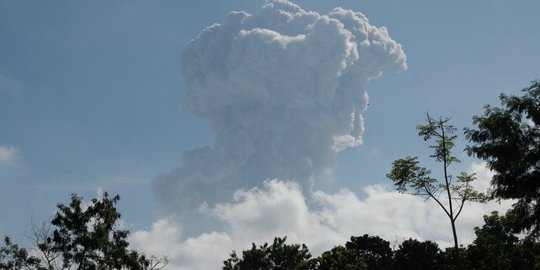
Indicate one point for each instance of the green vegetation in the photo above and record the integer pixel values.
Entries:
(336, 259)
(408, 175)
(276, 256)
(79, 237)
(507, 138)
(495, 247)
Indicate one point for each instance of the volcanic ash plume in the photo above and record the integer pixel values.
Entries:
(283, 93)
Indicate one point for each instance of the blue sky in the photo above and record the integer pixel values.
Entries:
(91, 92)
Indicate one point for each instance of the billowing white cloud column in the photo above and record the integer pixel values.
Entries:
(282, 91)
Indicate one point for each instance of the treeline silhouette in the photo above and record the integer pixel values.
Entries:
(507, 138)
(495, 247)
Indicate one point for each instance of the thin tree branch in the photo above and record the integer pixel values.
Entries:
(463, 199)
(438, 202)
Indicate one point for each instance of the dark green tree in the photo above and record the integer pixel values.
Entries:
(508, 139)
(413, 254)
(449, 194)
(339, 258)
(449, 259)
(83, 238)
(88, 238)
(13, 257)
(375, 251)
(276, 256)
(497, 247)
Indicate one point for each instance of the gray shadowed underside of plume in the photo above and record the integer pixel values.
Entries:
(283, 93)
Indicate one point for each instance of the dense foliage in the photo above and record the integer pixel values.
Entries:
(413, 254)
(495, 247)
(508, 139)
(338, 258)
(278, 255)
(375, 250)
(79, 237)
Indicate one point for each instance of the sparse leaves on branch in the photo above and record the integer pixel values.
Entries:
(450, 194)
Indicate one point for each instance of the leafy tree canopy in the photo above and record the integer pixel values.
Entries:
(276, 256)
(508, 139)
(375, 250)
(339, 258)
(14, 257)
(497, 247)
(80, 237)
(413, 254)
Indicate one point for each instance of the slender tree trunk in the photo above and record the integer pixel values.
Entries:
(456, 247)
(451, 208)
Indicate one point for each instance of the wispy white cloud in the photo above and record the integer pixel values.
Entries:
(8, 155)
(319, 219)
(8, 83)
